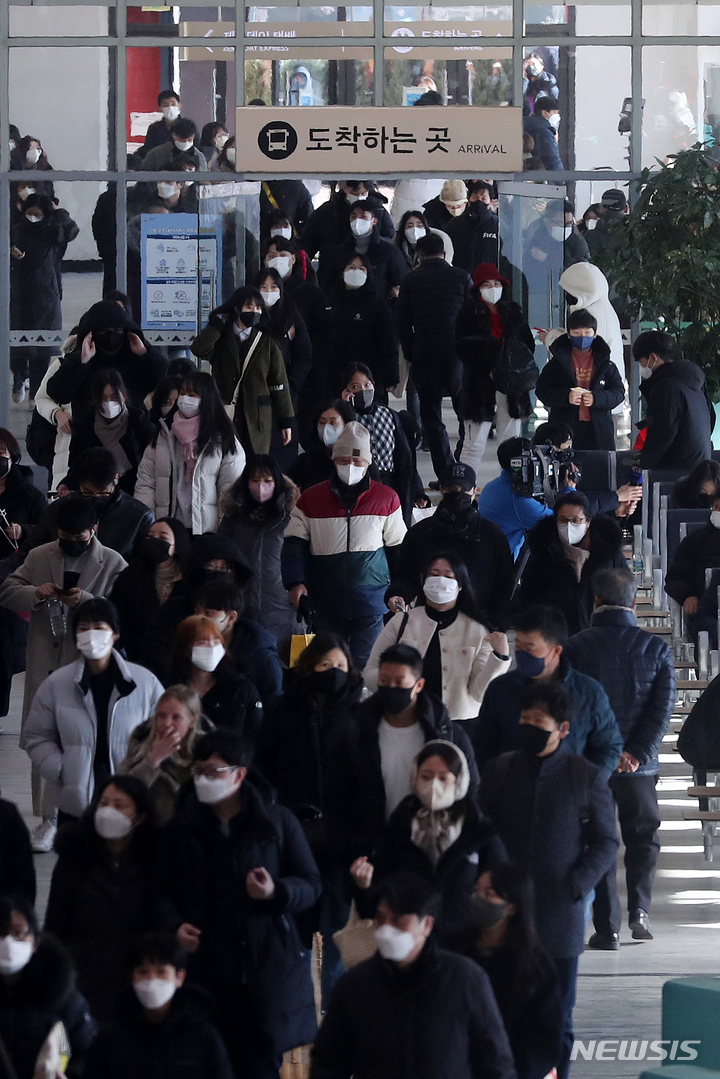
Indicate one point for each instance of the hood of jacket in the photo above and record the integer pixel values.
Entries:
(586, 283)
(211, 545)
(684, 372)
(605, 538)
(103, 314)
(46, 982)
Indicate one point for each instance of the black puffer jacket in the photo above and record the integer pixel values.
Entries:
(474, 236)
(558, 377)
(363, 332)
(329, 225)
(17, 869)
(635, 668)
(431, 298)
(122, 523)
(679, 417)
(184, 1044)
(33, 1001)
(387, 262)
(480, 351)
(21, 501)
(700, 550)
(550, 579)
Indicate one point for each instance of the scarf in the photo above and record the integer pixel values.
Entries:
(434, 831)
(110, 432)
(583, 366)
(576, 556)
(186, 431)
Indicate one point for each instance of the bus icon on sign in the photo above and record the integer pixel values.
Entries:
(277, 140)
(403, 31)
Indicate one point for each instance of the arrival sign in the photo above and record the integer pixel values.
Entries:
(355, 141)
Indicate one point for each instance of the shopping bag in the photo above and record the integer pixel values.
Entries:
(356, 940)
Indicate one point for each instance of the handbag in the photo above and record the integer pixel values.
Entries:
(356, 940)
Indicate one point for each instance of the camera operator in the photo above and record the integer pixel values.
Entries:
(501, 502)
(620, 503)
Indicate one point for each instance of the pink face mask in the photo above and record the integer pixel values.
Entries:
(261, 490)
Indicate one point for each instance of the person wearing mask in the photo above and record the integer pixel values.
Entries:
(514, 512)
(346, 554)
(148, 581)
(234, 870)
(553, 242)
(542, 126)
(461, 656)
(387, 263)
(326, 425)
(437, 833)
(200, 661)
(586, 289)
(500, 936)
(176, 196)
(449, 204)
(193, 460)
(160, 749)
(329, 225)
(106, 338)
(696, 553)
(82, 715)
(698, 490)
(488, 329)
(636, 670)
(256, 514)
(28, 154)
(160, 131)
(565, 551)
(37, 991)
(372, 761)
(392, 438)
(430, 300)
(679, 416)
(580, 385)
(413, 226)
(212, 139)
(294, 751)
(589, 220)
(474, 234)
(101, 891)
(363, 327)
(183, 135)
(566, 842)
(164, 396)
(412, 1008)
(38, 242)
(611, 218)
(163, 1024)
(457, 526)
(537, 82)
(115, 424)
(247, 364)
(540, 638)
(283, 202)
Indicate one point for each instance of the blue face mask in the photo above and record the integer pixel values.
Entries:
(530, 666)
(581, 342)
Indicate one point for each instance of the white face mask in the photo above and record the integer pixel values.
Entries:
(110, 409)
(220, 140)
(646, 372)
(183, 145)
(95, 643)
(436, 794)
(189, 406)
(355, 278)
(329, 434)
(352, 199)
(415, 233)
(554, 120)
(33, 155)
(11, 145)
(591, 223)
(33, 220)
(154, 993)
(230, 154)
(571, 533)
(14, 954)
(456, 211)
(360, 226)
(286, 233)
(166, 191)
(281, 263)
(395, 944)
(110, 823)
(270, 298)
(715, 518)
(441, 589)
(491, 295)
(207, 656)
(170, 112)
(211, 790)
(561, 232)
(350, 474)
(25, 192)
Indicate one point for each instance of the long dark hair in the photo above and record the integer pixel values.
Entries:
(216, 430)
(687, 490)
(515, 886)
(266, 465)
(319, 646)
(343, 408)
(17, 157)
(283, 315)
(467, 601)
(234, 305)
(109, 377)
(400, 233)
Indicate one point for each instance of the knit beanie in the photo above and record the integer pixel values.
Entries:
(453, 191)
(353, 442)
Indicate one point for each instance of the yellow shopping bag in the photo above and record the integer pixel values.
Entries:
(298, 643)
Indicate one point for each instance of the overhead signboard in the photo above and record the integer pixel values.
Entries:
(342, 139)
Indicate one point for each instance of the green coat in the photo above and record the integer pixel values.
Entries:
(264, 391)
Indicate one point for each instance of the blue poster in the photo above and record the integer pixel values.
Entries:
(180, 265)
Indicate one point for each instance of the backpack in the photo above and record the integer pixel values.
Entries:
(40, 440)
(515, 370)
(492, 787)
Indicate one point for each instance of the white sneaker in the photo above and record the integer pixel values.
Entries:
(43, 836)
(18, 396)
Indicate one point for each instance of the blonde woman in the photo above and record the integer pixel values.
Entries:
(160, 750)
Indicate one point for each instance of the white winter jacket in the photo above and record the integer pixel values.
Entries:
(60, 733)
(589, 286)
(49, 409)
(468, 661)
(213, 476)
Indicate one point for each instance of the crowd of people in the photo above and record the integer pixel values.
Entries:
(430, 803)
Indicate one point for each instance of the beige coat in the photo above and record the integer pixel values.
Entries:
(468, 661)
(46, 563)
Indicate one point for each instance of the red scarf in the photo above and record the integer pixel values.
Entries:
(495, 321)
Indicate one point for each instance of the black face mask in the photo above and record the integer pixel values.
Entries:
(249, 318)
(73, 548)
(705, 502)
(154, 550)
(101, 503)
(457, 501)
(363, 399)
(484, 914)
(110, 341)
(329, 682)
(6, 465)
(533, 740)
(393, 699)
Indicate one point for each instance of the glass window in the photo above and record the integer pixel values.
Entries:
(669, 19)
(460, 21)
(681, 87)
(168, 22)
(581, 19)
(62, 20)
(280, 75)
(463, 74)
(292, 22)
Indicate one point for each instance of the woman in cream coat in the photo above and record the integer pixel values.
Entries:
(461, 656)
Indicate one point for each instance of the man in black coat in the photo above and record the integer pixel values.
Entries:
(372, 758)
(233, 870)
(412, 1011)
(430, 300)
(678, 412)
(636, 670)
(474, 233)
(289, 196)
(457, 525)
(329, 225)
(386, 260)
(700, 550)
(541, 128)
(554, 812)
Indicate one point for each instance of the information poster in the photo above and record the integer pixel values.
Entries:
(180, 264)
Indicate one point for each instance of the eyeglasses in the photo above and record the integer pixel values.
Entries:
(572, 520)
(213, 773)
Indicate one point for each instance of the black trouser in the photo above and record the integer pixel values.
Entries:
(250, 1049)
(567, 982)
(636, 800)
(28, 361)
(431, 389)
